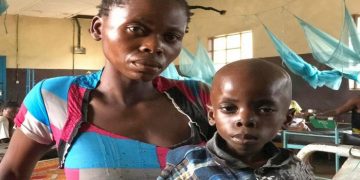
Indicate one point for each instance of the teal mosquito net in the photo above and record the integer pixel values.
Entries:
(171, 73)
(198, 66)
(3, 6)
(344, 59)
(298, 66)
(341, 54)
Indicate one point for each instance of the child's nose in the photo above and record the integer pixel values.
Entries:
(246, 119)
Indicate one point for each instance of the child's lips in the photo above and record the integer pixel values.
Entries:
(245, 138)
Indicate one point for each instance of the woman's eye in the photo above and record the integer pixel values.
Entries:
(136, 29)
(173, 37)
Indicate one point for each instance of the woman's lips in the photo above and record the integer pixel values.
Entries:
(146, 67)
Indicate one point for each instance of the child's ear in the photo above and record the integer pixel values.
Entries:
(211, 115)
(289, 118)
(95, 28)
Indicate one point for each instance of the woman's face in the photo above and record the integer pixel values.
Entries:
(142, 37)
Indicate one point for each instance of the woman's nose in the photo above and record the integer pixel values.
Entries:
(152, 44)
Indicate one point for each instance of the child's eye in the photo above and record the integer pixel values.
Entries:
(266, 110)
(228, 109)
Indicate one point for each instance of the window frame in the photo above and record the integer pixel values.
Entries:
(354, 86)
(212, 50)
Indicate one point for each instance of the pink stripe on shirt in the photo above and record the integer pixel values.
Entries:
(72, 174)
(89, 127)
(161, 153)
(19, 117)
(75, 98)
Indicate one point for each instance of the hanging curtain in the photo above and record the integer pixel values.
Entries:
(315, 78)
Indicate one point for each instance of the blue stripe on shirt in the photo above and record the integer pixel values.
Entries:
(93, 150)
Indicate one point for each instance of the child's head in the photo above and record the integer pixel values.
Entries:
(10, 109)
(249, 103)
(140, 38)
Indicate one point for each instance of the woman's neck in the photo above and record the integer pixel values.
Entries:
(118, 88)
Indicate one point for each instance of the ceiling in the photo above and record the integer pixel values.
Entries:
(53, 8)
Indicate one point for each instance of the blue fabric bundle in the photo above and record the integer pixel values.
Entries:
(315, 78)
(333, 52)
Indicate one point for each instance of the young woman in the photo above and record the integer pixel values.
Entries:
(120, 122)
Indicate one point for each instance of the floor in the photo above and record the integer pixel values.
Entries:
(323, 165)
(3, 147)
(48, 169)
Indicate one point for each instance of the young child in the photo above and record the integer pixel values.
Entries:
(8, 112)
(249, 103)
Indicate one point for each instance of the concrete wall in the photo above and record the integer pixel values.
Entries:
(45, 43)
(276, 14)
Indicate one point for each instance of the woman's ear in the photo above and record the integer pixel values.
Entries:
(289, 118)
(95, 28)
(210, 115)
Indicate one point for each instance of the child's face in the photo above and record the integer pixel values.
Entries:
(248, 111)
(10, 112)
(141, 38)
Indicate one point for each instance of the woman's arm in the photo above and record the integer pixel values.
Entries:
(348, 106)
(21, 157)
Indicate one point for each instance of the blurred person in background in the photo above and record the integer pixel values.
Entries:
(8, 112)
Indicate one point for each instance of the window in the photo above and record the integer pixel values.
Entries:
(230, 47)
(352, 84)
